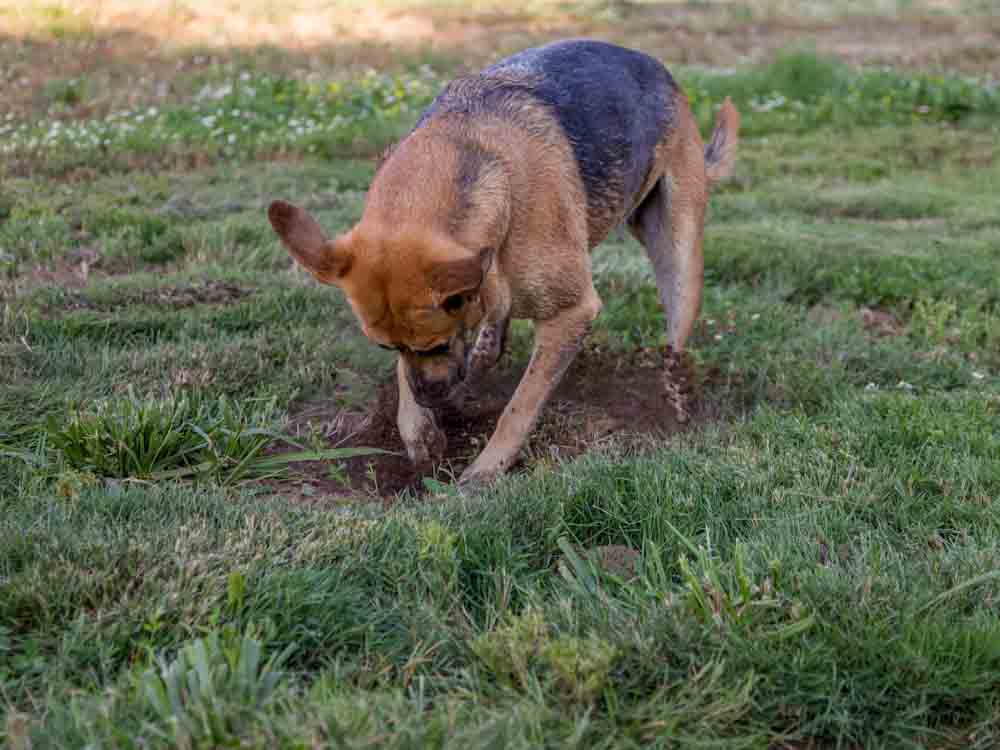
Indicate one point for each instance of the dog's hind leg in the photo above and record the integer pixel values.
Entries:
(668, 224)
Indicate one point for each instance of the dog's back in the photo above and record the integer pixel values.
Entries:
(613, 105)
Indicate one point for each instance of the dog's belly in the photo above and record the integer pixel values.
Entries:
(613, 105)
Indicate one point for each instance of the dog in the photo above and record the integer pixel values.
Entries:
(487, 211)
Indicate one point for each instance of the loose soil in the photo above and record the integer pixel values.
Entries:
(604, 396)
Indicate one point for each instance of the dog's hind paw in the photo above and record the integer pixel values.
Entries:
(677, 384)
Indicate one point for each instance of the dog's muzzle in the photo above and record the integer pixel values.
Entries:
(435, 380)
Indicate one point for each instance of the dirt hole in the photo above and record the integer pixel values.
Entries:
(603, 396)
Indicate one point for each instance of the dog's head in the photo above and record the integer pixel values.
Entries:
(412, 290)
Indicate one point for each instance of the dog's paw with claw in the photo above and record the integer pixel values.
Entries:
(482, 357)
(426, 446)
(481, 474)
(472, 480)
(485, 352)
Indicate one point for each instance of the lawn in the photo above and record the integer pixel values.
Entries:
(209, 538)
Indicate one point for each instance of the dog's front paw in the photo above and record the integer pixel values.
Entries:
(426, 445)
(480, 474)
(481, 359)
(485, 352)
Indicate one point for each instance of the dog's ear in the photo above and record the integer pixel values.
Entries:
(308, 244)
(460, 275)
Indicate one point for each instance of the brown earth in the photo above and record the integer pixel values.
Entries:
(602, 397)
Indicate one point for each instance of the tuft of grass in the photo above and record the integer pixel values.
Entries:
(67, 92)
(212, 689)
(178, 437)
(128, 437)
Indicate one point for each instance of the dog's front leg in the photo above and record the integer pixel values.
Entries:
(557, 342)
(487, 350)
(424, 440)
(485, 353)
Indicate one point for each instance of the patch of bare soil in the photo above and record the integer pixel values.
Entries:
(880, 323)
(602, 397)
(917, 40)
(209, 292)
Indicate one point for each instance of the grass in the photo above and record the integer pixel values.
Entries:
(817, 564)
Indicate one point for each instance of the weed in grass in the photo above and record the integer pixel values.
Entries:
(178, 437)
(211, 689)
(509, 650)
(932, 318)
(182, 436)
(67, 92)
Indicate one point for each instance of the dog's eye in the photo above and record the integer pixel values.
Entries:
(453, 303)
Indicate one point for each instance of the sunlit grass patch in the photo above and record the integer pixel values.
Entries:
(185, 436)
(242, 115)
(247, 114)
(802, 91)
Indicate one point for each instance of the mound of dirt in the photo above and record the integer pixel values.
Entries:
(601, 396)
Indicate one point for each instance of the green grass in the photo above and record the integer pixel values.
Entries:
(238, 113)
(818, 564)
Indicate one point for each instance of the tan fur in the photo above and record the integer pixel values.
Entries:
(721, 154)
(493, 218)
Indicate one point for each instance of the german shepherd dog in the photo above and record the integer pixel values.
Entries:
(488, 211)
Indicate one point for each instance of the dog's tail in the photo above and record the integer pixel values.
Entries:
(720, 153)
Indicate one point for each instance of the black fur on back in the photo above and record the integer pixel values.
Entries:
(613, 104)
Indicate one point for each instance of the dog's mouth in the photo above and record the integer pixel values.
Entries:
(470, 355)
(437, 376)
